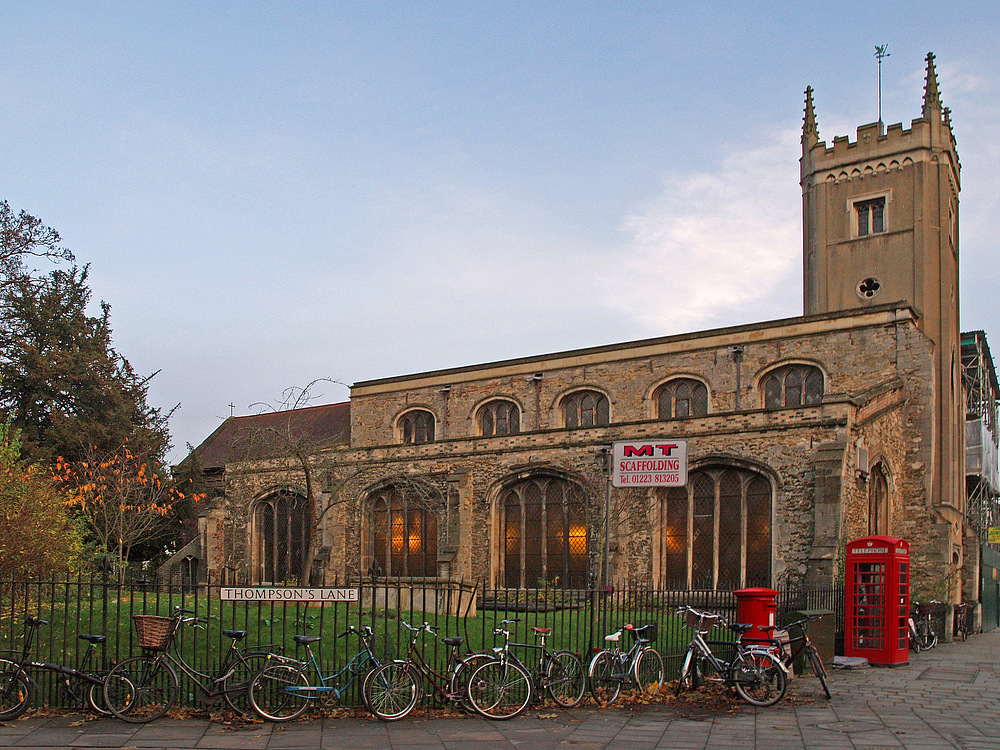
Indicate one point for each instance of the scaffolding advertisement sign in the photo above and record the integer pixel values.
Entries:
(649, 463)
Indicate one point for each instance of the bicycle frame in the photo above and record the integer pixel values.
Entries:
(415, 658)
(355, 666)
(206, 682)
(24, 663)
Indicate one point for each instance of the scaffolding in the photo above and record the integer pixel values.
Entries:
(982, 479)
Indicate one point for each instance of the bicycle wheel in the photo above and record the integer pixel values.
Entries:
(95, 698)
(15, 691)
(280, 691)
(141, 689)
(930, 637)
(819, 670)
(914, 639)
(459, 684)
(758, 678)
(392, 691)
(690, 677)
(648, 670)
(236, 686)
(565, 680)
(605, 676)
(500, 690)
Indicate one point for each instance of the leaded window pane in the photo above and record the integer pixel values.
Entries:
(793, 385)
(675, 537)
(403, 533)
(703, 534)
(729, 543)
(545, 534)
(282, 538)
(814, 387)
(730, 530)
(417, 427)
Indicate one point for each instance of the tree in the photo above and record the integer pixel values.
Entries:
(61, 381)
(23, 235)
(285, 441)
(124, 498)
(36, 532)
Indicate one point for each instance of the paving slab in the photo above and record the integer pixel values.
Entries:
(947, 698)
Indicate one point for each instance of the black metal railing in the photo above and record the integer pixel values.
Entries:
(579, 618)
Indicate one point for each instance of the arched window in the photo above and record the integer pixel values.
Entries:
(402, 533)
(543, 525)
(586, 409)
(715, 533)
(792, 385)
(189, 573)
(282, 538)
(417, 426)
(683, 397)
(499, 418)
(878, 501)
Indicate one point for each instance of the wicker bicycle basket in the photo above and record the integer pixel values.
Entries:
(700, 621)
(154, 633)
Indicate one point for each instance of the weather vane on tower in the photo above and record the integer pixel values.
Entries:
(880, 54)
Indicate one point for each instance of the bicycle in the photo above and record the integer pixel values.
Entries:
(611, 668)
(282, 690)
(962, 624)
(143, 688)
(81, 684)
(758, 676)
(559, 673)
(501, 688)
(790, 650)
(392, 690)
(921, 629)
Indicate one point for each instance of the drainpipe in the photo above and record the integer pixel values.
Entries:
(736, 354)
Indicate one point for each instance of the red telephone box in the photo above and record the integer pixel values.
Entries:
(878, 600)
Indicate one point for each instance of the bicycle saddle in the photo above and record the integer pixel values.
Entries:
(92, 638)
(305, 639)
(542, 631)
(236, 635)
(615, 637)
(453, 641)
(741, 627)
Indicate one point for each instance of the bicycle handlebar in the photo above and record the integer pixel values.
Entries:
(34, 622)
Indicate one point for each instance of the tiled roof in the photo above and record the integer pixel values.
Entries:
(261, 435)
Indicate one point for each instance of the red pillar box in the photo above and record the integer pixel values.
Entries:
(878, 600)
(757, 607)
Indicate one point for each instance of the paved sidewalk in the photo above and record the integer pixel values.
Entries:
(948, 697)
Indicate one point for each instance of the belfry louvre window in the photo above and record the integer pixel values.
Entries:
(683, 397)
(715, 533)
(282, 538)
(499, 418)
(870, 216)
(417, 427)
(403, 534)
(792, 385)
(543, 528)
(586, 409)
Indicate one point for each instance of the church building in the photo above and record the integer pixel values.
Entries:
(802, 434)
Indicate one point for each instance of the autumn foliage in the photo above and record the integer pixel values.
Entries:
(36, 532)
(123, 497)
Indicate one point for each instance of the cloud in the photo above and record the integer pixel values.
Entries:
(715, 247)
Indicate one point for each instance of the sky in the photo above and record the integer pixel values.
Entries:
(274, 193)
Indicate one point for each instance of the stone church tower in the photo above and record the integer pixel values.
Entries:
(880, 224)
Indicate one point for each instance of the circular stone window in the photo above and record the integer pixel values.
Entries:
(869, 287)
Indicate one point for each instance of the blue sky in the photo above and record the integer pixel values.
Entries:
(271, 193)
